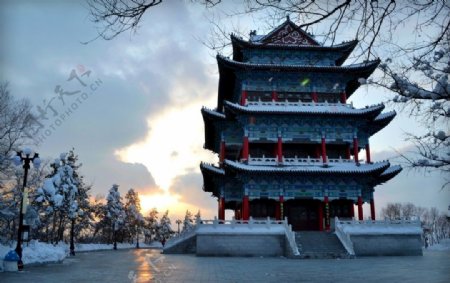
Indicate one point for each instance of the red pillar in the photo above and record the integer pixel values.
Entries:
(314, 97)
(221, 208)
(327, 213)
(355, 148)
(343, 97)
(245, 208)
(347, 152)
(245, 147)
(372, 209)
(360, 208)
(243, 97)
(280, 149)
(222, 151)
(324, 151)
(320, 216)
(274, 96)
(368, 153)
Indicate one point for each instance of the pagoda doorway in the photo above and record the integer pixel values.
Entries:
(342, 208)
(263, 208)
(303, 214)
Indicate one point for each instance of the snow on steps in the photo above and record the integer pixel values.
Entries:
(318, 244)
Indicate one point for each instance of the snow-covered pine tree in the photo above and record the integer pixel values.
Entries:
(164, 230)
(133, 219)
(80, 214)
(115, 213)
(197, 217)
(59, 192)
(188, 222)
(151, 225)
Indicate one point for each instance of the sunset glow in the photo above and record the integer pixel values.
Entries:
(161, 202)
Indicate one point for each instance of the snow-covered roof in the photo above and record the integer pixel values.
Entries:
(384, 116)
(213, 113)
(303, 108)
(366, 66)
(286, 29)
(390, 172)
(331, 168)
(255, 41)
(212, 168)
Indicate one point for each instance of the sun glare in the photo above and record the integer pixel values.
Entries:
(161, 202)
(173, 146)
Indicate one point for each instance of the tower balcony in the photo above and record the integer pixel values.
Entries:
(295, 161)
(300, 103)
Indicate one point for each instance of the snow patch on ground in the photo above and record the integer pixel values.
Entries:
(37, 252)
(444, 245)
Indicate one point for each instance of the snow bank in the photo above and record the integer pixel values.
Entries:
(37, 252)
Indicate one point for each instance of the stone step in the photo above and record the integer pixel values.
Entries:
(318, 244)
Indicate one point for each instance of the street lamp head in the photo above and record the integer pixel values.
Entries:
(17, 160)
(27, 151)
(36, 161)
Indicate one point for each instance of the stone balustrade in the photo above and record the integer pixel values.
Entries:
(294, 161)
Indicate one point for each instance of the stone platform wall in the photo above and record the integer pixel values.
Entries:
(387, 245)
(270, 245)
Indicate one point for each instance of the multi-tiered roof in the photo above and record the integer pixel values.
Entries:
(287, 90)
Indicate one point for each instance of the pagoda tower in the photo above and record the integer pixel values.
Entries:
(288, 142)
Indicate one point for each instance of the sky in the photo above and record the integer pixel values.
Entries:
(131, 106)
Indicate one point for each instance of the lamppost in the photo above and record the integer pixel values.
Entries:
(178, 222)
(72, 232)
(24, 157)
(137, 236)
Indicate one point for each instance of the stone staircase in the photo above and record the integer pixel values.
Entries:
(317, 244)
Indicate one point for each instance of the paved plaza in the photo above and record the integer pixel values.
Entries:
(146, 265)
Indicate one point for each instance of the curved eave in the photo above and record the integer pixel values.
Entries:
(363, 169)
(209, 173)
(212, 114)
(381, 121)
(344, 48)
(388, 174)
(210, 118)
(370, 111)
(354, 68)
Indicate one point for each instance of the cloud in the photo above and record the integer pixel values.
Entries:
(189, 187)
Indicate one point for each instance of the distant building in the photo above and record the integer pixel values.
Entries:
(288, 141)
